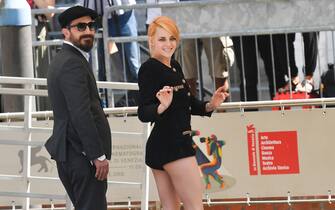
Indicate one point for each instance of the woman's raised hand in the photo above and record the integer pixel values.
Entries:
(164, 96)
(218, 97)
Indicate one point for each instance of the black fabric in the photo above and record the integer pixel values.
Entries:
(78, 116)
(166, 142)
(66, 17)
(80, 126)
(328, 81)
(310, 40)
(78, 177)
(246, 51)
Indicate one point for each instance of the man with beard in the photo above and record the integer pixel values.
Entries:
(81, 139)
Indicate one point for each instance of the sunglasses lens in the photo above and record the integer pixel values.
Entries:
(81, 26)
(92, 26)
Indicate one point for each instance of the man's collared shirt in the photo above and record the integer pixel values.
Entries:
(85, 54)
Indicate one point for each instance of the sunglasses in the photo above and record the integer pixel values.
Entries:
(82, 26)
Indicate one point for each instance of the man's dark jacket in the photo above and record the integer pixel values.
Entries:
(79, 120)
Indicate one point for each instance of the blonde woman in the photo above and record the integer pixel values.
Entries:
(166, 101)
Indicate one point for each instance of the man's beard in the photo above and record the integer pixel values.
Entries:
(83, 45)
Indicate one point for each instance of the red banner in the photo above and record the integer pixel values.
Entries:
(251, 136)
(278, 152)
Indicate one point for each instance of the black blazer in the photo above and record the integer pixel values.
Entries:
(79, 119)
(154, 75)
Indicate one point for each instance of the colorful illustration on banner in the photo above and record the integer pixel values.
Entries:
(209, 156)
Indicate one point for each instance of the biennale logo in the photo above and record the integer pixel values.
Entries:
(209, 156)
(273, 152)
(36, 159)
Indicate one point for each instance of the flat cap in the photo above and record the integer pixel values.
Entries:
(73, 13)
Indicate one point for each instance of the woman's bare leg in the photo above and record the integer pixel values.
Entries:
(185, 176)
(167, 193)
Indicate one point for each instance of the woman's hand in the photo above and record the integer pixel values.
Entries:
(218, 98)
(164, 96)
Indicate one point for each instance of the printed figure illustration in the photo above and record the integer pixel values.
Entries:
(35, 159)
(209, 157)
(214, 149)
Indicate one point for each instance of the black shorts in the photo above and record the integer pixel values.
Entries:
(159, 153)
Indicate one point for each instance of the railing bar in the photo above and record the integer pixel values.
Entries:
(22, 129)
(228, 105)
(21, 142)
(40, 130)
(43, 81)
(126, 206)
(143, 38)
(54, 42)
(127, 133)
(123, 183)
(10, 177)
(272, 201)
(22, 80)
(32, 195)
(48, 10)
(43, 178)
(118, 85)
(16, 128)
(38, 92)
(258, 31)
(19, 177)
(121, 110)
(46, 130)
(181, 4)
(21, 91)
(225, 105)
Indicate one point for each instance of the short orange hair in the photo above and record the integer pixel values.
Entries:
(167, 24)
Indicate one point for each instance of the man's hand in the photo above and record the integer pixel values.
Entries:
(102, 168)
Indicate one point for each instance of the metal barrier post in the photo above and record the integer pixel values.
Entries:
(105, 40)
(145, 182)
(28, 108)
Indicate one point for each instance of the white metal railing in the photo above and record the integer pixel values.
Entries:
(324, 102)
(28, 91)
